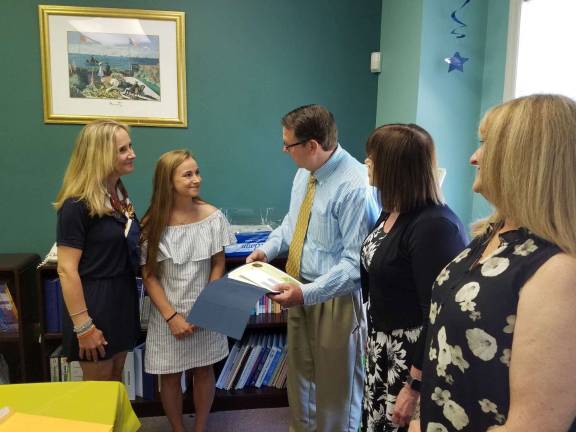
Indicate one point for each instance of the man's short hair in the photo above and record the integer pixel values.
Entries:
(313, 122)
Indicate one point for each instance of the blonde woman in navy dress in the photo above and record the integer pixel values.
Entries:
(98, 252)
(182, 250)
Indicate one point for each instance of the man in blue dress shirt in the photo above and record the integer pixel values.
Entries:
(326, 320)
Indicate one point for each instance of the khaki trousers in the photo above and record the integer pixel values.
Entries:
(325, 365)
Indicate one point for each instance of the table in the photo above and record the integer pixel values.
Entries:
(104, 402)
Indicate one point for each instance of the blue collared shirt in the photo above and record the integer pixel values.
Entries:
(343, 212)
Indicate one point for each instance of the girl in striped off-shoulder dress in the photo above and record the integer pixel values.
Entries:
(183, 240)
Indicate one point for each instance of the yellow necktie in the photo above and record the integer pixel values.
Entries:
(297, 243)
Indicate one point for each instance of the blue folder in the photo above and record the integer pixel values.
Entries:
(224, 306)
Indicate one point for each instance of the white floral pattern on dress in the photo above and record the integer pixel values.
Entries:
(475, 316)
(440, 396)
(386, 370)
(505, 357)
(494, 266)
(462, 255)
(466, 294)
(471, 340)
(443, 276)
(525, 248)
(444, 352)
(481, 344)
(434, 311)
(456, 415)
(436, 427)
(489, 407)
(511, 320)
(396, 358)
(458, 359)
(451, 410)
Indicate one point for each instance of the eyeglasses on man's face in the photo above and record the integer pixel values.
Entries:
(286, 147)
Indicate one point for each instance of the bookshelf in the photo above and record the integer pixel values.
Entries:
(248, 398)
(21, 348)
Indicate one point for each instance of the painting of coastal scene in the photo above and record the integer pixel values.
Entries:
(114, 66)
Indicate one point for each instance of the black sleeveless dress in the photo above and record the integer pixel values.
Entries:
(465, 383)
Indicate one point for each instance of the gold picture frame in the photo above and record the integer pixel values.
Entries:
(124, 64)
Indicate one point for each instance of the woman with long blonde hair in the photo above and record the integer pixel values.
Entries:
(501, 339)
(98, 254)
(182, 250)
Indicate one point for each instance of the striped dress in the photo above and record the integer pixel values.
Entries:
(185, 253)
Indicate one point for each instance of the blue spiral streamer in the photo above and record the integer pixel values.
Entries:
(461, 25)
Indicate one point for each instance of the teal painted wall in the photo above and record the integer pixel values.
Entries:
(449, 103)
(400, 38)
(415, 35)
(493, 81)
(248, 63)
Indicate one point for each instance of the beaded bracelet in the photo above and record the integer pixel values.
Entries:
(171, 316)
(84, 326)
(87, 332)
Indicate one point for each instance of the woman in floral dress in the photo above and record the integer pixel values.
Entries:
(501, 337)
(415, 236)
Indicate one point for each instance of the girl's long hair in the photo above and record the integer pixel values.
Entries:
(157, 216)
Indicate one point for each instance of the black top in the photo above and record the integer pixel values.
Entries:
(105, 250)
(399, 279)
(466, 383)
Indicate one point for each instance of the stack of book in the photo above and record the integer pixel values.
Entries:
(265, 305)
(8, 310)
(255, 361)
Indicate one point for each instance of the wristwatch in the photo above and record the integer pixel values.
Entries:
(413, 383)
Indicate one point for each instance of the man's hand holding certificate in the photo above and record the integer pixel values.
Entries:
(284, 289)
(225, 304)
(263, 275)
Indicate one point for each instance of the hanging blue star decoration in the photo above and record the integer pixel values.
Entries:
(456, 62)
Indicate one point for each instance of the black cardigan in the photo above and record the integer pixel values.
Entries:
(405, 265)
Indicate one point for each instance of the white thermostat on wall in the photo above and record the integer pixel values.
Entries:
(375, 62)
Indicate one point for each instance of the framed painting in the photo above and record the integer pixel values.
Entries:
(124, 64)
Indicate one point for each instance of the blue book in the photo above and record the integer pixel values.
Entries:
(266, 366)
(261, 361)
(60, 303)
(8, 310)
(222, 379)
(274, 363)
(51, 315)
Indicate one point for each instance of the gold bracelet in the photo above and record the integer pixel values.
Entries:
(78, 313)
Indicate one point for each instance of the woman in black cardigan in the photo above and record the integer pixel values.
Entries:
(414, 238)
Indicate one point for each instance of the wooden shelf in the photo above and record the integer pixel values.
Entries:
(9, 337)
(21, 348)
(271, 321)
(224, 400)
(17, 262)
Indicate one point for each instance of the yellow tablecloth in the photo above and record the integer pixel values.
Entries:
(104, 402)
